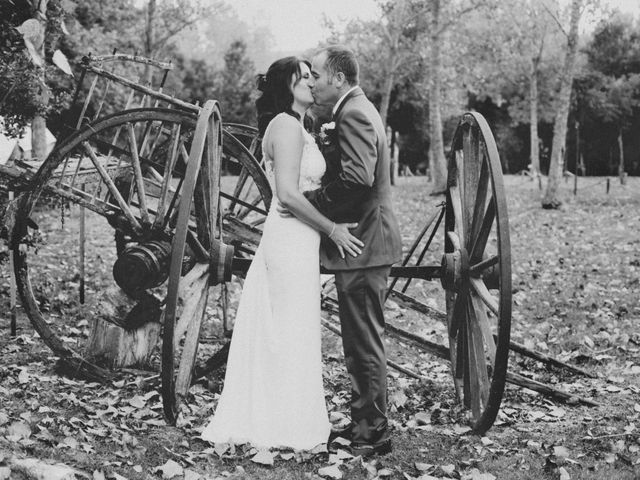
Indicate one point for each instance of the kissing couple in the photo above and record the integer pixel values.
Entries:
(333, 209)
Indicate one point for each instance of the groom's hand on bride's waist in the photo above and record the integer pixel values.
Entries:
(283, 211)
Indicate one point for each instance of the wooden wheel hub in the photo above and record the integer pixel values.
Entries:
(455, 269)
(142, 266)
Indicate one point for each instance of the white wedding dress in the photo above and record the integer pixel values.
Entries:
(273, 394)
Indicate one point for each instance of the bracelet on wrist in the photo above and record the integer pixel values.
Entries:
(333, 229)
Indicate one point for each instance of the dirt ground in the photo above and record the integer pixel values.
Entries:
(576, 285)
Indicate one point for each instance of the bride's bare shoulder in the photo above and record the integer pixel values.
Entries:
(284, 125)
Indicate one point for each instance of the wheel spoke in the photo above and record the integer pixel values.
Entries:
(483, 322)
(192, 324)
(248, 206)
(470, 149)
(477, 269)
(457, 314)
(454, 194)
(479, 380)
(168, 176)
(111, 186)
(483, 293)
(237, 191)
(237, 229)
(479, 206)
(480, 241)
(454, 239)
(137, 172)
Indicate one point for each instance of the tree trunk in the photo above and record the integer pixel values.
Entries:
(533, 119)
(39, 123)
(621, 162)
(386, 96)
(438, 163)
(384, 110)
(551, 198)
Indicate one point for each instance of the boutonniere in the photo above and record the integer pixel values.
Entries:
(327, 133)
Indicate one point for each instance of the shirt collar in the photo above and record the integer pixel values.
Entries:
(341, 99)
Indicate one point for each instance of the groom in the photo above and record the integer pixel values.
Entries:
(357, 188)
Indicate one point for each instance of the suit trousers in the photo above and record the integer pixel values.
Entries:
(361, 295)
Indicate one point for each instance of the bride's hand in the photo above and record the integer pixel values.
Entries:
(345, 241)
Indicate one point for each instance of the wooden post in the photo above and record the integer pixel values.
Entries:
(82, 240)
(575, 177)
(621, 161)
(113, 346)
(12, 287)
(608, 186)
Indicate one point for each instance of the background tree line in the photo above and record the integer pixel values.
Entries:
(522, 63)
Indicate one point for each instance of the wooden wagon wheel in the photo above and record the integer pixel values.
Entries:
(188, 291)
(222, 213)
(116, 170)
(477, 270)
(104, 168)
(248, 135)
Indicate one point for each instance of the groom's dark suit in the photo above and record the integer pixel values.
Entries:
(357, 188)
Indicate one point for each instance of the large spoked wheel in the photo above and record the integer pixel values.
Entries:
(229, 212)
(477, 270)
(188, 292)
(121, 182)
(117, 184)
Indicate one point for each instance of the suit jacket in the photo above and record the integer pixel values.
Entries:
(357, 187)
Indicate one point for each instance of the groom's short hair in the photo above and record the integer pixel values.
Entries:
(342, 59)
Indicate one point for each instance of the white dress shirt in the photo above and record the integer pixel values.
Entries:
(341, 99)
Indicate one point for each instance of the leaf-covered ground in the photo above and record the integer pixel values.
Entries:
(576, 281)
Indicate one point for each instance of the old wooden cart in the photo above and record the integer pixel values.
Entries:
(176, 200)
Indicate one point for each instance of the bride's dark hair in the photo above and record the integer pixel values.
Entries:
(275, 86)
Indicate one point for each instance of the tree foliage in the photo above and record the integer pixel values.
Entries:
(21, 85)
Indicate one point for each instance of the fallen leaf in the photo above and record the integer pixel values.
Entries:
(422, 418)
(191, 475)
(137, 402)
(423, 467)
(17, 431)
(332, 471)
(263, 457)
(220, 448)
(461, 429)
(560, 452)
(169, 470)
(398, 398)
(60, 61)
(116, 476)
(475, 474)
(23, 377)
(35, 469)
(564, 475)
(448, 469)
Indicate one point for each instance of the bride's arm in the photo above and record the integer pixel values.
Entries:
(286, 144)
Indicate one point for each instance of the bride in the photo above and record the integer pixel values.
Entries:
(273, 394)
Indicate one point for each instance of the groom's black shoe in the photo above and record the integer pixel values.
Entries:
(345, 433)
(366, 450)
